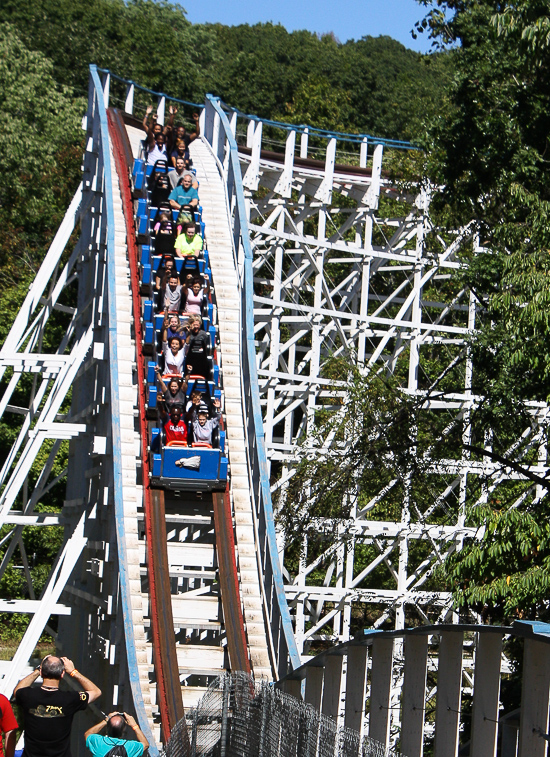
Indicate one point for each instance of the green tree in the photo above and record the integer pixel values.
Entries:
(489, 153)
(40, 149)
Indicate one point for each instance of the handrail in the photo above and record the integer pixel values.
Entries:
(125, 595)
(523, 629)
(344, 136)
(396, 144)
(282, 632)
(150, 91)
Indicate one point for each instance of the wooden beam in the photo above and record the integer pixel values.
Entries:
(380, 690)
(449, 684)
(314, 687)
(486, 695)
(332, 684)
(414, 695)
(356, 675)
(534, 699)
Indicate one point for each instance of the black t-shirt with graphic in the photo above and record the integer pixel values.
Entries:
(48, 719)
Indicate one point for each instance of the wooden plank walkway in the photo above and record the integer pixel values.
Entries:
(224, 271)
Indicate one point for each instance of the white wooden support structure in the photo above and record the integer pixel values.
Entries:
(534, 700)
(356, 680)
(250, 130)
(331, 686)
(161, 105)
(284, 185)
(304, 137)
(324, 193)
(449, 688)
(304, 317)
(106, 81)
(380, 690)
(414, 695)
(486, 694)
(363, 153)
(252, 176)
(129, 102)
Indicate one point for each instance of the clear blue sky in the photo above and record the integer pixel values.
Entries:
(348, 19)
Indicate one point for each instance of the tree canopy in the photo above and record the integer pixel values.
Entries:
(260, 69)
(489, 153)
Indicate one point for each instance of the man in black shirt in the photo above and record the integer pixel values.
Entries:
(49, 711)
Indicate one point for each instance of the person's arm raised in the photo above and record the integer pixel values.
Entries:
(93, 691)
(146, 118)
(28, 680)
(139, 733)
(197, 131)
(98, 727)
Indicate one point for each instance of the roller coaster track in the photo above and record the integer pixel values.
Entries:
(121, 602)
(157, 593)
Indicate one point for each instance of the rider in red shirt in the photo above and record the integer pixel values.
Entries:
(175, 428)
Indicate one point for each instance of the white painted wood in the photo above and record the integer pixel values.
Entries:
(414, 695)
(449, 684)
(284, 185)
(373, 193)
(356, 680)
(363, 153)
(331, 686)
(324, 193)
(380, 689)
(509, 740)
(129, 104)
(486, 694)
(534, 699)
(222, 261)
(314, 687)
(251, 178)
(304, 142)
(160, 110)
(250, 129)
(106, 81)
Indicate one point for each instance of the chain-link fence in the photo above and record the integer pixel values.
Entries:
(238, 717)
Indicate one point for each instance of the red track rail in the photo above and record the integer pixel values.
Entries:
(161, 617)
(229, 583)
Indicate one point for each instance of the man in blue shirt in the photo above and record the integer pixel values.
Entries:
(184, 195)
(116, 724)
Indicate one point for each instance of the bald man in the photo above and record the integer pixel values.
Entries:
(48, 710)
(118, 724)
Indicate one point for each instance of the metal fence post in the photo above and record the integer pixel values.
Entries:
(225, 715)
(194, 732)
(263, 726)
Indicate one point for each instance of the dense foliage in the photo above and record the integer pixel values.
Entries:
(489, 152)
(379, 86)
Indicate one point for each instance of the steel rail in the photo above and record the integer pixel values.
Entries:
(229, 583)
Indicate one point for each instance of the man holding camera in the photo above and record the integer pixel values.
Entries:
(48, 710)
(116, 723)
